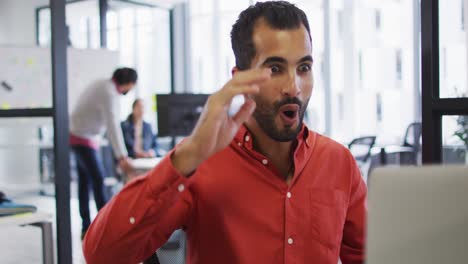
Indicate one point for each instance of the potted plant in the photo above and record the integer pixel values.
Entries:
(462, 133)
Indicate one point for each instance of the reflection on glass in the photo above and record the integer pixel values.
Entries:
(452, 49)
(373, 70)
(455, 139)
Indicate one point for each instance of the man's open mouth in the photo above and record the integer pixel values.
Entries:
(289, 113)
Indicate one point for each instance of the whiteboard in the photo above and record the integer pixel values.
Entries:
(26, 76)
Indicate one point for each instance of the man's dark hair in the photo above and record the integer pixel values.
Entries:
(124, 76)
(278, 14)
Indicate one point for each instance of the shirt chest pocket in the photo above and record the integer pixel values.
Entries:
(328, 213)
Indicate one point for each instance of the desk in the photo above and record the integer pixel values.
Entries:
(39, 219)
(396, 151)
(143, 165)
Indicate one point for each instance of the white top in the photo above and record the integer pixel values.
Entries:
(96, 112)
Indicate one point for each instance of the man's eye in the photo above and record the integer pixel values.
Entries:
(304, 68)
(275, 68)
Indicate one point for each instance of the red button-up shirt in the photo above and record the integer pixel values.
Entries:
(236, 208)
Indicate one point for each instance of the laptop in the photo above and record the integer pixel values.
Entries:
(418, 215)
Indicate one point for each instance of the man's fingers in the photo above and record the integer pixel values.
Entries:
(251, 76)
(244, 112)
(229, 92)
(242, 89)
(243, 82)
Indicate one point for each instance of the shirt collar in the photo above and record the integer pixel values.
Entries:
(244, 137)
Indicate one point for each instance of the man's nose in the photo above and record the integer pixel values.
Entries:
(291, 87)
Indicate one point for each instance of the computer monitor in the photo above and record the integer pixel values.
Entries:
(418, 215)
(178, 113)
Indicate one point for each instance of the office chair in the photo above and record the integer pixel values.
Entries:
(152, 260)
(412, 135)
(407, 152)
(361, 149)
(172, 252)
(412, 140)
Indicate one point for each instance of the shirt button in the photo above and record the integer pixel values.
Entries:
(288, 195)
(132, 220)
(181, 187)
(239, 144)
(265, 162)
(247, 138)
(290, 241)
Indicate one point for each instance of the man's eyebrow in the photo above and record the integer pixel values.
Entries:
(276, 59)
(306, 58)
(273, 59)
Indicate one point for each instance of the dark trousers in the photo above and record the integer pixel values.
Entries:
(90, 173)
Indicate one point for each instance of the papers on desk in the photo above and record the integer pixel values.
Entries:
(24, 219)
(391, 149)
(145, 164)
(8, 207)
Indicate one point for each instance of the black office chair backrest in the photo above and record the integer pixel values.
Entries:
(361, 147)
(172, 252)
(413, 135)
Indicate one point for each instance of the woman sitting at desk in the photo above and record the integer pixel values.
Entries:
(139, 138)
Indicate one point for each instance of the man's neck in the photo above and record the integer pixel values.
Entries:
(279, 153)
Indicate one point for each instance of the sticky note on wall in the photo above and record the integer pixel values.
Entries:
(30, 62)
(155, 103)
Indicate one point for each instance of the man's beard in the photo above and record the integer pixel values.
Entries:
(266, 113)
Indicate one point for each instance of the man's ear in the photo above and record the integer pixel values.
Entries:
(234, 70)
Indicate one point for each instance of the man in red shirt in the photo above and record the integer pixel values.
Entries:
(254, 187)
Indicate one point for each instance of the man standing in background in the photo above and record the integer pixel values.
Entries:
(97, 112)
